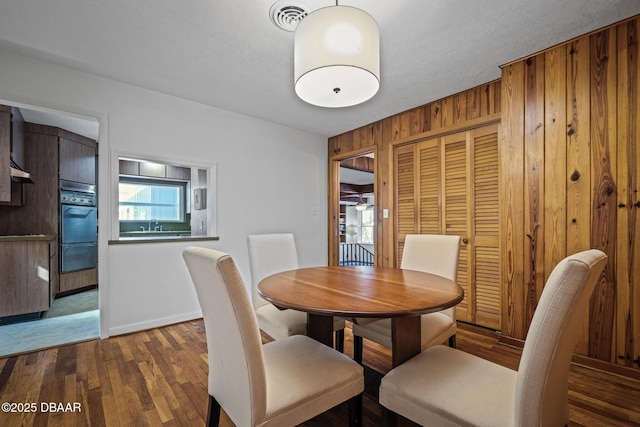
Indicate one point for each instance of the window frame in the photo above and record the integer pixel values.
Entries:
(208, 180)
(372, 226)
(184, 197)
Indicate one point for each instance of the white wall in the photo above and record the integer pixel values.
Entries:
(269, 179)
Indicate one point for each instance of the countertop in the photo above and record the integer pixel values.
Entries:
(159, 239)
(27, 237)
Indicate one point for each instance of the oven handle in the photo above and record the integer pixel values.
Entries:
(82, 211)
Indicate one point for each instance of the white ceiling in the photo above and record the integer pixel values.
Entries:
(81, 126)
(229, 55)
(352, 176)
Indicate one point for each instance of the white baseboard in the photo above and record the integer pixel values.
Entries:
(155, 323)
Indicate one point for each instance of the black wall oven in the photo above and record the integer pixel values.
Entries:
(78, 227)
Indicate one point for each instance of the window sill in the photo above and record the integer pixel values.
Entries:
(159, 239)
(153, 234)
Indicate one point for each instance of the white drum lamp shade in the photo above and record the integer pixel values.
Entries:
(337, 57)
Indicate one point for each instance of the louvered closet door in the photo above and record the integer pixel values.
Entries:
(406, 190)
(429, 221)
(417, 169)
(483, 233)
(470, 210)
(455, 210)
(449, 185)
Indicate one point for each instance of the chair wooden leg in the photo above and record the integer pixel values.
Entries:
(213, 415)
(357, 349)
(389, 418)
(354, 406)
(452, 341)
(340, 340)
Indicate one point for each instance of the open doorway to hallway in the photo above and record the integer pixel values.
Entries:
(357, 211)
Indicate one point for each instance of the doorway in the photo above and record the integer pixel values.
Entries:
(54, 146)
(356, 211)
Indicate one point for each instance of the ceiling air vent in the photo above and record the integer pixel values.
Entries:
(286, 14)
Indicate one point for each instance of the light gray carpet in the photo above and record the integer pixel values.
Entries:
(71, 319)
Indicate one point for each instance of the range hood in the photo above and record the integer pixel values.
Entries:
(19, 175)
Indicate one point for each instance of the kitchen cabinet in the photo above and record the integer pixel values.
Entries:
(51, 154)
(27, 267)
(69, 282)
(154, 170)
(11, 148)
(40, 212)
(77, 161)
(17, 196)
(54, 276)
(5, 154)
(177, 172)
(449, 185)
(129, 167)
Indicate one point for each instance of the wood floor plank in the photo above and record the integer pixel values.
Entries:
(109, 409)
(95, 408)
(120, 395)
(159, 377)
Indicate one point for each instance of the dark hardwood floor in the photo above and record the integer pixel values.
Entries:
(159, 377)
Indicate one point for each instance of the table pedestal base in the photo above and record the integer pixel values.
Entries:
(320, 328)
(405, 337)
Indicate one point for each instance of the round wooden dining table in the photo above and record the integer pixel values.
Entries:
(363, 292)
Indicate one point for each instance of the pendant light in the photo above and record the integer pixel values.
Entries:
(361, 205)
(337, 57)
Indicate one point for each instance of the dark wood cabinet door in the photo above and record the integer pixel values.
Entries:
(77, 162)
(5, 150)
(177, 172)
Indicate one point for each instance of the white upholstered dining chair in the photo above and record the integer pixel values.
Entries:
(270, 254)
(443, 386)
(429, 253)
(282, 383)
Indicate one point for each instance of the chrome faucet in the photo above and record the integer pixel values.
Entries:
(150, 221)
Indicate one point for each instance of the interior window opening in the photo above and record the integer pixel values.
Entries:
(163, 200)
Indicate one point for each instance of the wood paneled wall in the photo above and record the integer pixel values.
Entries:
(457, 112)
(570, 160)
